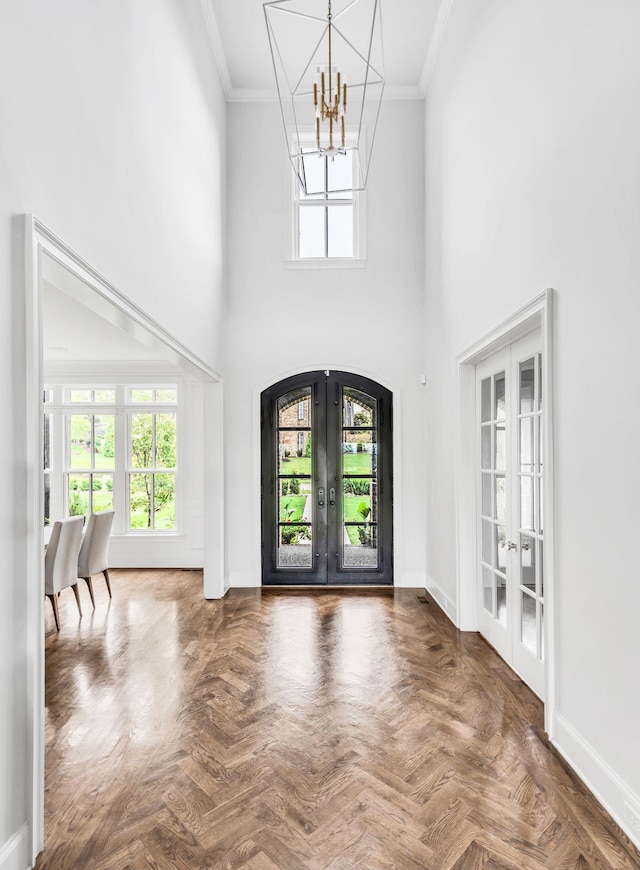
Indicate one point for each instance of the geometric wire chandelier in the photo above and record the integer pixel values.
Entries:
(329, 67)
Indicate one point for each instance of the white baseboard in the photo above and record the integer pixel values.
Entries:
(614, 795)
(244, 580)
(409, 580)
(442, 600)
(14, 853)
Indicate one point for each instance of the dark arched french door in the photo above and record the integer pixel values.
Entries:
(327, 496)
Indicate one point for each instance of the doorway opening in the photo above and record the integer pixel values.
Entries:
(327, 481)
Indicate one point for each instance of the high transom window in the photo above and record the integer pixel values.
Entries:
(326, 217)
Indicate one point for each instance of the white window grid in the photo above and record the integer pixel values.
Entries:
(153, 410)
(325, 201)
(59, 406)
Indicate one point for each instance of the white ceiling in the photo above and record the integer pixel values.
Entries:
(72, 332)
(411, 30)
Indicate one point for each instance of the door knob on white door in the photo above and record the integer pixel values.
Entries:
(511, 545)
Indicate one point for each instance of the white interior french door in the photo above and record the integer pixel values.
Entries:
(510, 502)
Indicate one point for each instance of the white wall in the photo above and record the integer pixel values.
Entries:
(363, 320)
(113, 134)
(532, 181)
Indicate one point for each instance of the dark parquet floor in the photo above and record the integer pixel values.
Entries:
(286, 731)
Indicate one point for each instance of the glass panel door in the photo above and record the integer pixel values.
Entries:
(294, 476)
(327, 481)
(493, 378)
(528, 650)
(510, 506)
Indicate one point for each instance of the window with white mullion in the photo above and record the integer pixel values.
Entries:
(151, 472)
(329, 234)
(89, 458)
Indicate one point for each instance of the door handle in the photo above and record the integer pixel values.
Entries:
(332, 497)
(511, 546)
(321, 497)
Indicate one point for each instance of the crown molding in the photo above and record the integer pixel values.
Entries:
(218, 48)
(435, 45)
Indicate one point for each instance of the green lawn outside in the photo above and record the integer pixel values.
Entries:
(351, 505)
(293, 503)
(356, 463)
(81, 458)
(353, 463)
(295, 465)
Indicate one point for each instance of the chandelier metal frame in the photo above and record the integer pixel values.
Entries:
(307, 38)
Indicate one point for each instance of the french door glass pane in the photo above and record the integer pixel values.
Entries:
(540, 444)
(311, 229)
(527, 386)
(486, 494)
(528, 623)
(526, 503)
(360, 546)
(501, 498)
(499, 409)
(294, 409)
(359, 537)
(358, 488)
(486, 446)
(485, 401)
(501, 548)
(528, 562)
(541, 566)
(501, 448)
(540, 382)
(487, 537)
(294, 515)
(527, 453)
(488, 578)
(501, 596)
(358, 451)
(358, 408)
(294, 546)
(294, 459)
(294, 506)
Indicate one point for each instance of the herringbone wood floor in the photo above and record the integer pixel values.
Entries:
(317, 730)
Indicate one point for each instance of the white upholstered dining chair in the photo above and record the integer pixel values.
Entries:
(61, 561)
(94, 553)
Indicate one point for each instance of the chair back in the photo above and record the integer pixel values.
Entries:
(61, 558)
(94, 553)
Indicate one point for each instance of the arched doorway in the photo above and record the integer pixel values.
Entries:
(327, 481)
